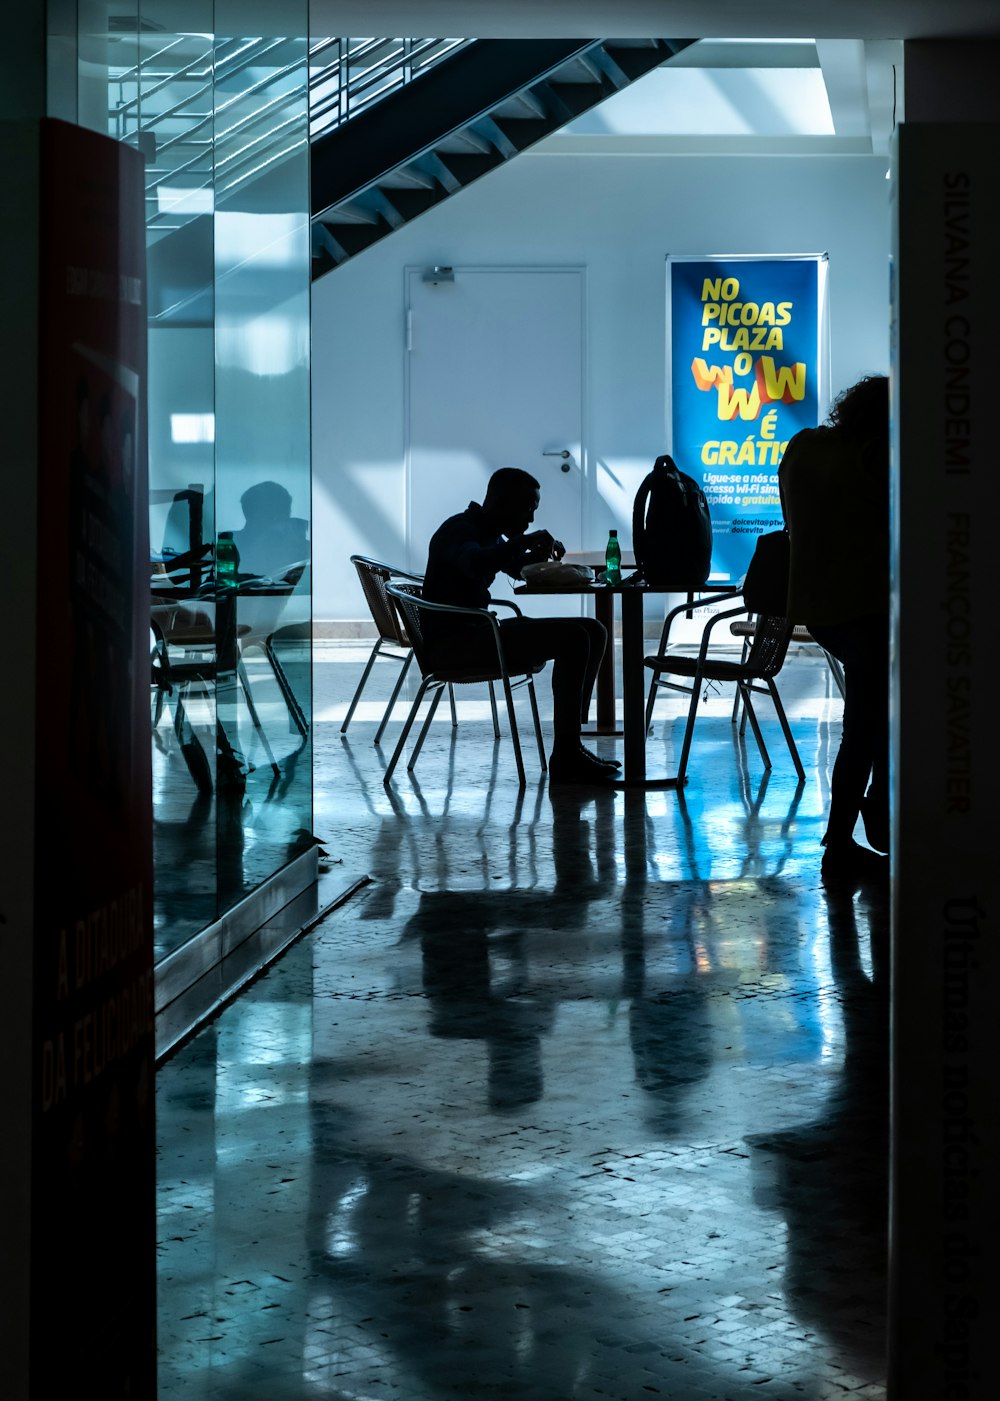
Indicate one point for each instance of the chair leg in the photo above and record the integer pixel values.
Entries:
(689, 730)
(752, 715)
(515, 738)
(245, 683)
(538, 724)
(160, 673)
(424, 728)
(361, 686)
(837, 669)
(650, 700)
(454, 712)
(392, 699)
(291, 699)
(404, 733)
(786, 729)
(191, 747)
(737, 698)
(493, 707)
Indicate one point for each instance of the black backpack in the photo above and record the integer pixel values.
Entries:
(671, 527)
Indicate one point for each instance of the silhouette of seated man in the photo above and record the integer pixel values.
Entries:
(465, 555)
(272, 539)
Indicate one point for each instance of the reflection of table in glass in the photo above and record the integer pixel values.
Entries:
(633, 673)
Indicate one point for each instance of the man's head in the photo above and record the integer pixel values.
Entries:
(266, 503)
(512, 497)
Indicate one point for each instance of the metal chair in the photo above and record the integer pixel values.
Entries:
(408, 598)
(264, 621)
(755, 672)
(747, 630)
(191, 631)
(392, 643)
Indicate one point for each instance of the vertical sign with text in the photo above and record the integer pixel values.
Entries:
(945, 1210)
(93, 1173)
(744, 351)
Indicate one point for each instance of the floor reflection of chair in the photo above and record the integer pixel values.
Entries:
(434, 678)
(753, 674)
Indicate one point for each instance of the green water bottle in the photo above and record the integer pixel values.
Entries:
(227, 559)
(613, 560)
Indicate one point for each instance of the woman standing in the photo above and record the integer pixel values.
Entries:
(834, 483)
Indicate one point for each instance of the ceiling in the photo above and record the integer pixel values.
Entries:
(835, 95)
(741, 93)
(844, 19)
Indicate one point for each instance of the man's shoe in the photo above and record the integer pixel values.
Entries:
(612, 764)
(579, 768)
(849, 863)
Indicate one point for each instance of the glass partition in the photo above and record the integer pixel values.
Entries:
(262, 447)
(218, 105)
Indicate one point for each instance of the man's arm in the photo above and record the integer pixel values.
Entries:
(484, 562)
(537, 546)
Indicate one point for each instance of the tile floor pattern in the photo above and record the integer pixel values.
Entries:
(580, 1098)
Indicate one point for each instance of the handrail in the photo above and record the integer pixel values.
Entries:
(409, 58)
(212, 116)
(349, 98)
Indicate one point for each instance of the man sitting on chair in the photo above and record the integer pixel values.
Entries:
(465, 555)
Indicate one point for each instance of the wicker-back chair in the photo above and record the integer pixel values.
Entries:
(411, 604)
(392, 643)
(190, 631)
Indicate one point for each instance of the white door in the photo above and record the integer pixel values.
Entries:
(495, 379)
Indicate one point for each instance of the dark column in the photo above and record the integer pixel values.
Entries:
(944, 1288)
(77, 1170)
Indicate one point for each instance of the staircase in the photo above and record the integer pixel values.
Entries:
(395, 127)
(473, 110)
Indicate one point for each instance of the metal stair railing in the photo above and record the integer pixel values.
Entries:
(355, 74)
(381, 73)
(363, 72)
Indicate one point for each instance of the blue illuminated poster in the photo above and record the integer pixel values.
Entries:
(744, 351)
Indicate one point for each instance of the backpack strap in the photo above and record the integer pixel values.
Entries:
(639, 522)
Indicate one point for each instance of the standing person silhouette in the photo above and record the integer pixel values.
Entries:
(834, 484)
(464, 557)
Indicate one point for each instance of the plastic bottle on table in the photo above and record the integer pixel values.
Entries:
(613, 560)
(227, 558)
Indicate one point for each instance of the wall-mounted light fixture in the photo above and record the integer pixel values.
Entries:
(438, 274)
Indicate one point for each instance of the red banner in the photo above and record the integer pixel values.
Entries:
(93, 1222)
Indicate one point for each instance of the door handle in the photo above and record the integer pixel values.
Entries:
(566, 456)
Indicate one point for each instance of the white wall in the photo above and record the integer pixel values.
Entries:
(618, 217)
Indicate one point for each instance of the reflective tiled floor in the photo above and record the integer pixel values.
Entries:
(211, 849)
(581, 1097)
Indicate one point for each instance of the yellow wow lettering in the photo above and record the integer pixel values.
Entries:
(744, 402)
(783, 384)
(708, 376)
